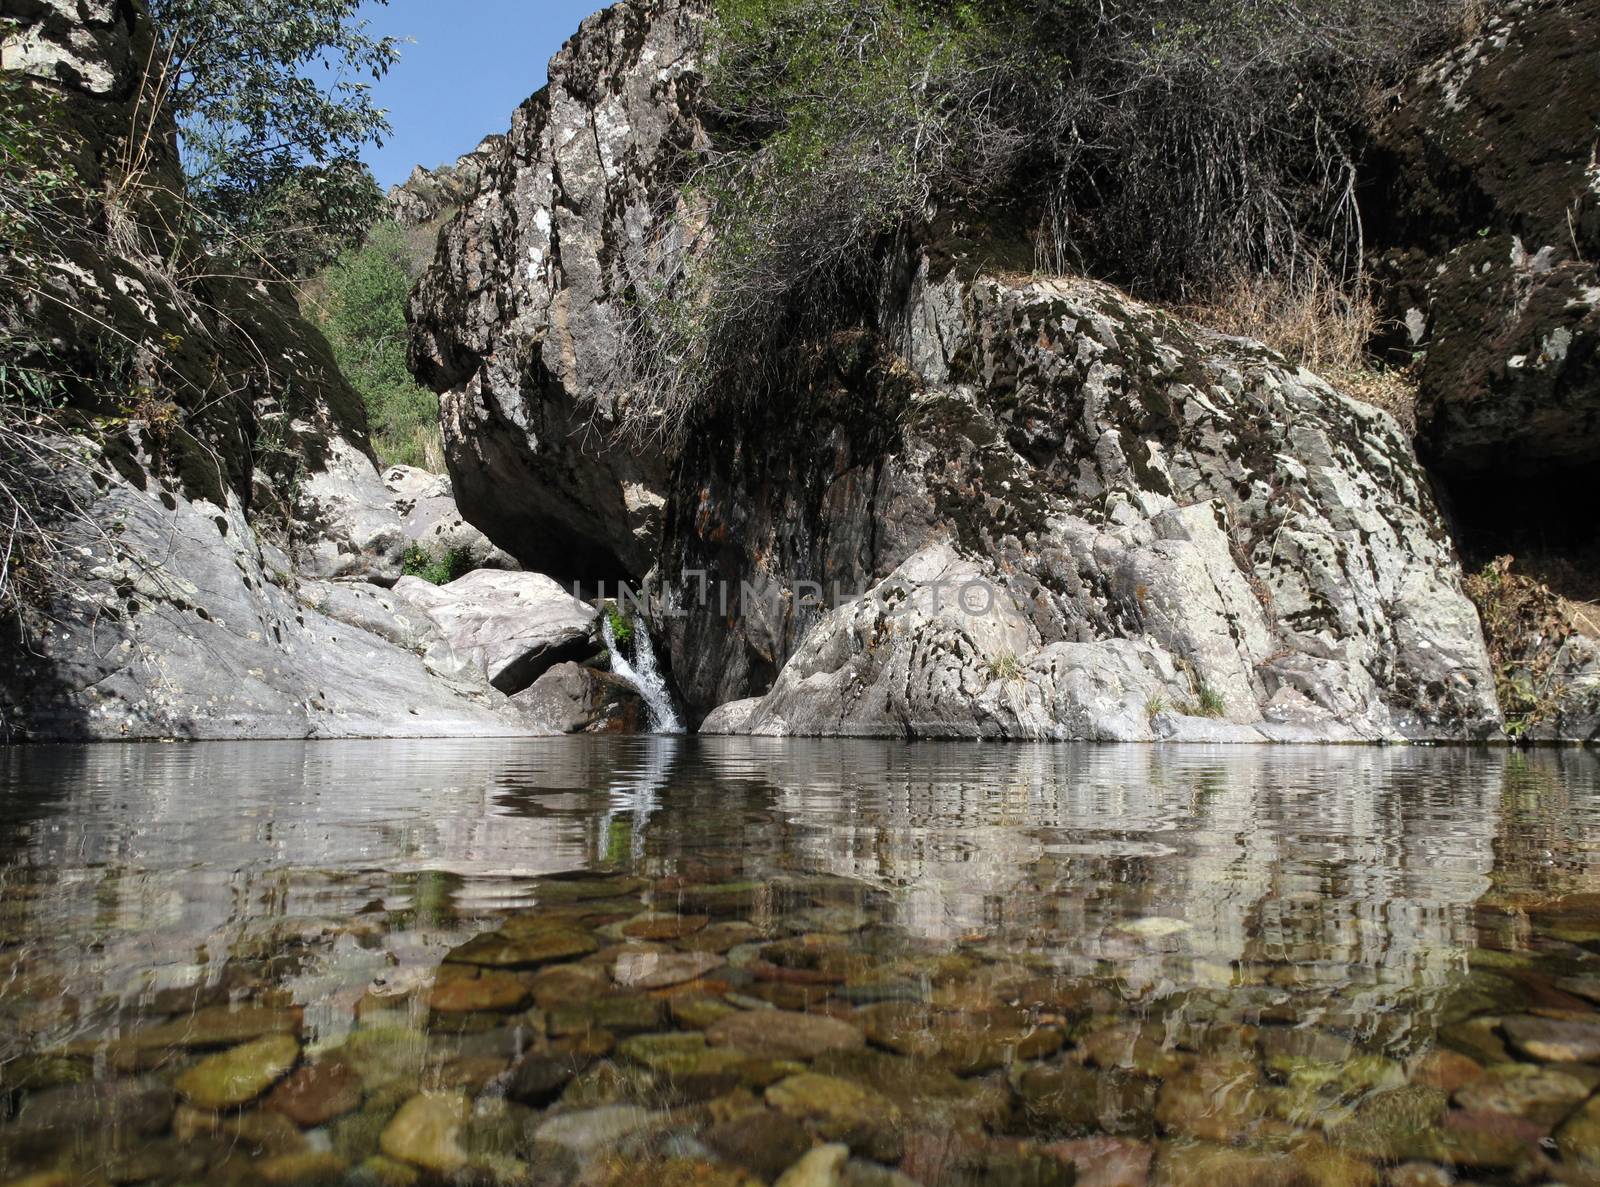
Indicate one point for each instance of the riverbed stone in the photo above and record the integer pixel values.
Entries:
(539, 1077)
(661, 970)
(1106, 1161)
(841, 1111)
(1542, 1095)
(762, 1141)
(239, 1075)
(1554, 1040)
(317, 1093)
(426, 1132)
(1061, 1098)
(589, 1131)
(664, 927)
(618, 1013)
(525, 947)
(721, 937)
(822, 1167)
(784, 1034)
(487, 990)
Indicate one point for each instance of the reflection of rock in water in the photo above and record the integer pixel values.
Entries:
(1172, 863)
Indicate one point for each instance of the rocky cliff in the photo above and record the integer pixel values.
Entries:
(1164, 532)
(214, 516)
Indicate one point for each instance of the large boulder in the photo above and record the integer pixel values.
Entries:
(519, 324)
(1073, 517)
(573, 699)
(430, 520)
(514, 626)
(1486, 210)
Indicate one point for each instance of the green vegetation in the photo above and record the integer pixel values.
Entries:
(1207, 702)
(274, 103)
(1526, 626)
(621, 627)
(1170, 145)
(362, 311)
(440, 570)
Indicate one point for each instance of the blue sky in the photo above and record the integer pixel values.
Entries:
(473, 62)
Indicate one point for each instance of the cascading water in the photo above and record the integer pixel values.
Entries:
(643, 674)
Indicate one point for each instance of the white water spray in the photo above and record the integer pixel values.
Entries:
(643, 675)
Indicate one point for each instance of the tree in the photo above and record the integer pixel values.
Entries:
(273, 100)
(365, 321)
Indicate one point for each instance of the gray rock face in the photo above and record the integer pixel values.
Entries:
(1187, 536)
(1491, 218)
(225, 480)
(513, 626)
(430, 520)
(431, 194)
(1099, 523)
(183, 623)
(573, 699)
(518, 325)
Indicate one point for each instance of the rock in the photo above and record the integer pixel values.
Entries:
(514, 626)
(432, 195)
(574, 699)
(760, 1141)
(841, 1111)
(431, 521)
(53, 1118)
(732, 718)
(216, 1026)
(658, 970)
(1553, 1040)
(623, 1013)
(1498, 291)
(565, 259)
(239, 1075)
(781, 1034)
(591, 1131)
(1419, 1174)
(1444, 1069)
(483, 990)
(426, 1132)
(822, 1167)
(539, 1077)
(1044, 644)
(1578, 1138)
(721, 937)
(307, 1169)
(659, 927)
(1061, 1098)
(1542, 1095)
(1106, 1162)
(317, 1093)
(524, 947)
(201, 522)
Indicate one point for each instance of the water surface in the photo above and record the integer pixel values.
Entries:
(966, 963)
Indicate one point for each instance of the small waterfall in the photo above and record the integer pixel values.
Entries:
(643, 675)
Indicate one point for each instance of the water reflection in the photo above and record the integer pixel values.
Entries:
(1370, 892)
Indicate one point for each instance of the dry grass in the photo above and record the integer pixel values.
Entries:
(1526, 625)
(1314, 322)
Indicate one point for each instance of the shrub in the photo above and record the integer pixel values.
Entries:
(1526, 627)
(1170, 145)
(437, 570)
